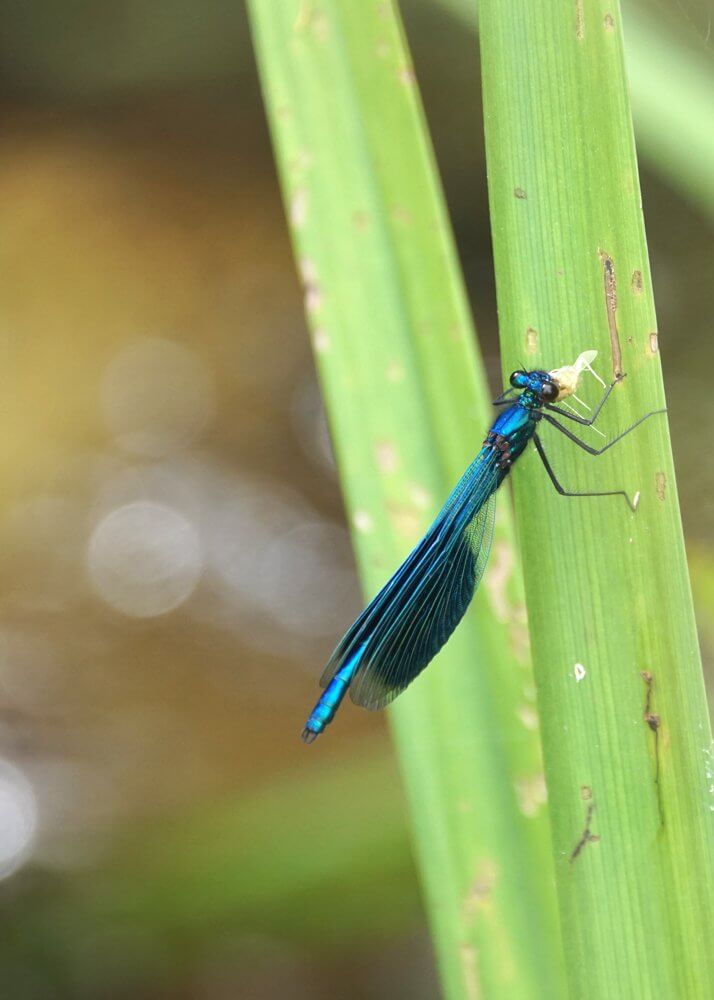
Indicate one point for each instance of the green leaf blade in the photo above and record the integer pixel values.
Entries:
(407, 408)
(631, 812)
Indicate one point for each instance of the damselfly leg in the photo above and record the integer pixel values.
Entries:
(589, 448)
(504, 398)
(632, 503)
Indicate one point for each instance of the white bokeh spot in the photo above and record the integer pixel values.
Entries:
(144, 559)
(18, 818)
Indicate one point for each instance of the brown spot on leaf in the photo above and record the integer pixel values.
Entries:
(531, 340)
(308, 18)
(587, 836)
(609, 22)
(660, 484)
(653, 721)
(654, 342)
(579, 20)
(610, 282)
(520, 193)
(478, 895)
(636, 283)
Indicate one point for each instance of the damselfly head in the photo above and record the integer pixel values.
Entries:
(540, 383)
(567, 377)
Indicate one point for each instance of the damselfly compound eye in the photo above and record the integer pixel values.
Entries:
(549, 392)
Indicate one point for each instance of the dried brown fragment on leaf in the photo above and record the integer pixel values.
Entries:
(610, 282)
(660, 485)
(579, 20)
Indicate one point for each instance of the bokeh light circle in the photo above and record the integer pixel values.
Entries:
(157, 397)
(144, 559)
(18, 818)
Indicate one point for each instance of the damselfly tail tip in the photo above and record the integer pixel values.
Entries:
(308, 735)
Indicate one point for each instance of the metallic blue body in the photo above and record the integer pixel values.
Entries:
(323, 712)
(416, 611)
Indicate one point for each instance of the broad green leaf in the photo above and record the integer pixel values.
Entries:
(407, 409)
(625, 729)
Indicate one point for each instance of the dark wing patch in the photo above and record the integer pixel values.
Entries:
(417, 610)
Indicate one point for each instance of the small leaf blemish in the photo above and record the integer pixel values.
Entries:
(660, 485)
(653, 721)
(363, 521)
(531, 794)
(636, 284)
(654, 342)
(308, 19)
(481, 889)
(587, 836)
(469, 965)
(498, 578)
(579, 20)
(386, 457)
(320, 341)
(520, 194)
(298, 208)
(420, 496)
(610, 280)
(528, 716)
(313, 298)
(308, 271)
(531, 340)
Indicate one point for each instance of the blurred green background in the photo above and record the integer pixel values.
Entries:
(175, 564)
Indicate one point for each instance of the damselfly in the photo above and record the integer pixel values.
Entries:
(416, 611)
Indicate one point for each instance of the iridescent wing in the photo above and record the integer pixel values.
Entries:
(416, 611)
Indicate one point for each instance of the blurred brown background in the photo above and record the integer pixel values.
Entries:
(175, 563)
